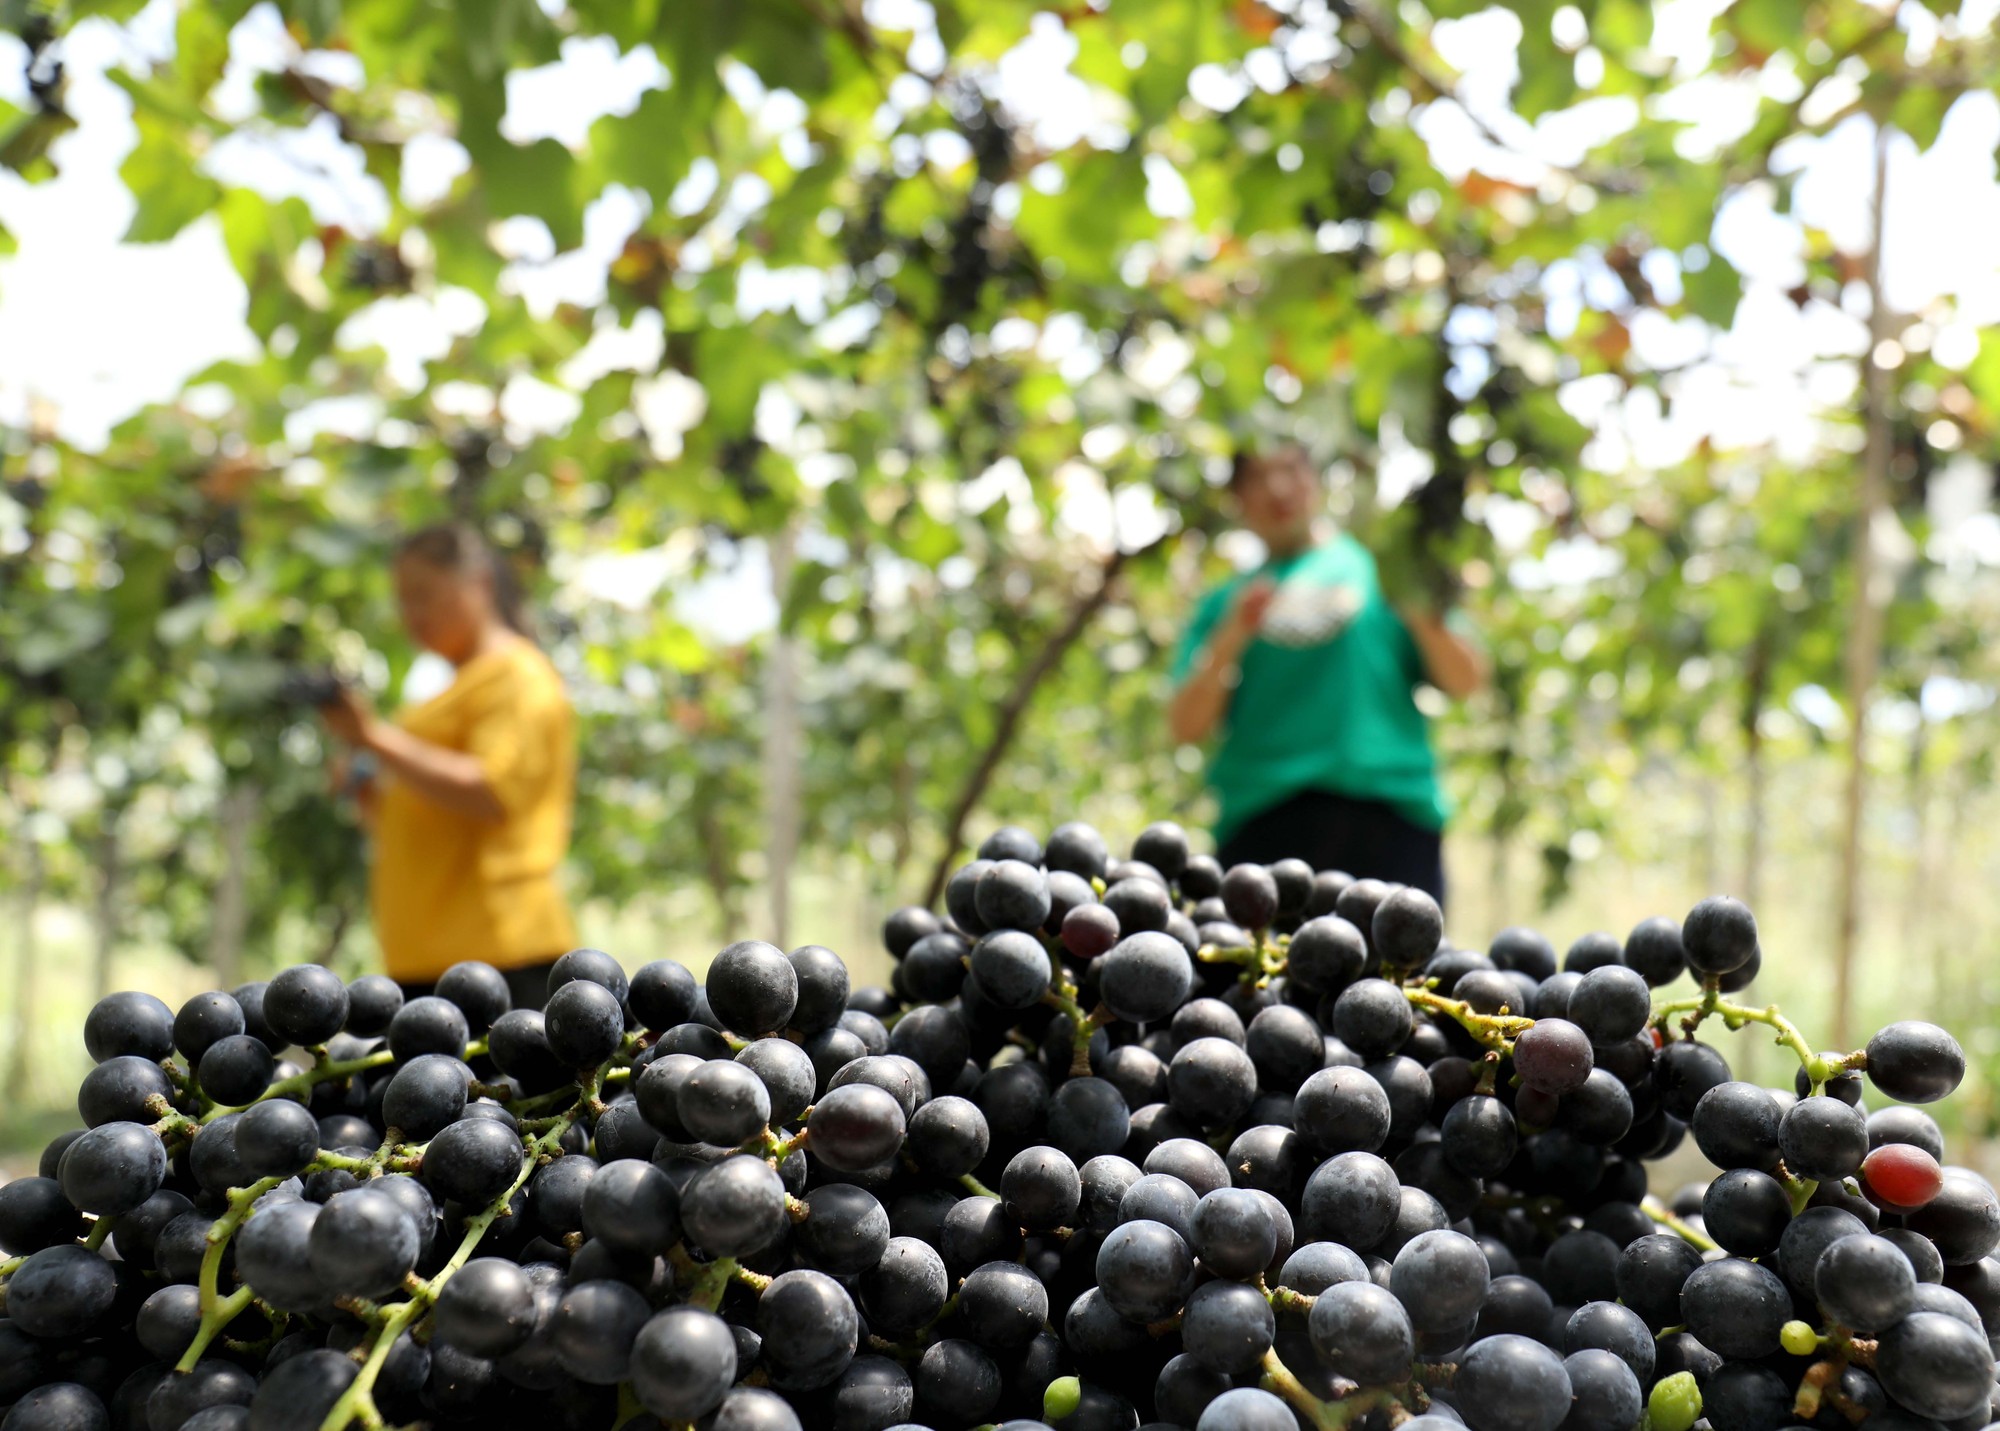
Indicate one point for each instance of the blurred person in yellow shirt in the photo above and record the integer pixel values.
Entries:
(471, 798)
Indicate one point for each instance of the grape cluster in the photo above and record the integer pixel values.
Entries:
(1126, 1142)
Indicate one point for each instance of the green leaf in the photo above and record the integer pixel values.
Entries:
(1983, 375)
(951, 26)
(1548, 79)
(1621, 26)
(537, 179)
(735, 364)
(650, 148)
(1920, 109)
(201, 46)
(169, 191)
(784, 53)
(1765, 27)
(65, 629)
(490, 43)
(320, 17)
(180, 624)
(1712, 292)
(1089, 224)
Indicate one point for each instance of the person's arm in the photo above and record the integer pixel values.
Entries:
(1453, 664)
(452, 779)
(1202, 699)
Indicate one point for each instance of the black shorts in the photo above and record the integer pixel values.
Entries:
(1366, 838)
(528, 985)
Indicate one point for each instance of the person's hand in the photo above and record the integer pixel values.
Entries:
(349, 717)
(366, 798)
(1247, 615)
(351, 774)
(1417, 611)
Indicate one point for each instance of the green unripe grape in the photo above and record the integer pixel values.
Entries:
(1061, 1398)
(1798, 1338)
(1675, 1404)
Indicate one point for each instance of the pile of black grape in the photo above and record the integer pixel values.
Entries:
(1128, 1142)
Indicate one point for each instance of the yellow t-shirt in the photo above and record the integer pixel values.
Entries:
(447, 886)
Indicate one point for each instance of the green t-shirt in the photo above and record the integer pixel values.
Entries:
(1325, 701)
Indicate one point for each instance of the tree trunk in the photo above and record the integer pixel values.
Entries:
(336, 934)
(110, 879)
(717, 864)
(1509, 808)
(1026, 681)
(27, 965)
(1709, 854)
(1944, 926)
(1864, 637)
(781, 744)
(1915, 896)
(904, 787)
(1754, 768)
(237, 817)
(1499, 874)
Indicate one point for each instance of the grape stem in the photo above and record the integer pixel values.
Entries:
(1261, 961)
(1496, 1031)
(1325, 1415)
(1284, 1297)
(587, 1091)
(706, 1292)
(1226, 954)
(358, 1401)
(1813, 1385)
(1800, 1190)
(1819, 1067)
(1545, 1211)
(976, 1187)
(1822, 1379)
(216, 1310)
(1661, 1214)
(554, 1098)
(276, 1328)
(1083, 1025)
(323, 1071)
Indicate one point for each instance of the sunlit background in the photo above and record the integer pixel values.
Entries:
(867, 352)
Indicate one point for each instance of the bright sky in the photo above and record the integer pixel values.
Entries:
(96, 328)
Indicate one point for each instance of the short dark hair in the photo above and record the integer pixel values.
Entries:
(1246, 458)
(457, 547)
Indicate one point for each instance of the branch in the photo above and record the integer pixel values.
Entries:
(1758, 165)
(1496, 1031)
(1434, 87)
(1016, 705)
(864, 40)
(1659, 1212)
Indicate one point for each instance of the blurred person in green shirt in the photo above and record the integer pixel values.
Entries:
(1305, 673)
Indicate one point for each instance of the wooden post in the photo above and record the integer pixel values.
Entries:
(1757, 692)
(110, 879)
(781, 742)
(1864, 634)
(1048, 656)
(236, 815)
(27, 965)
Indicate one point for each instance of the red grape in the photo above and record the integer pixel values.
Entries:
(1902, 1176)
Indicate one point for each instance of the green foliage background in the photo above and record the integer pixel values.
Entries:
(1326, 281)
